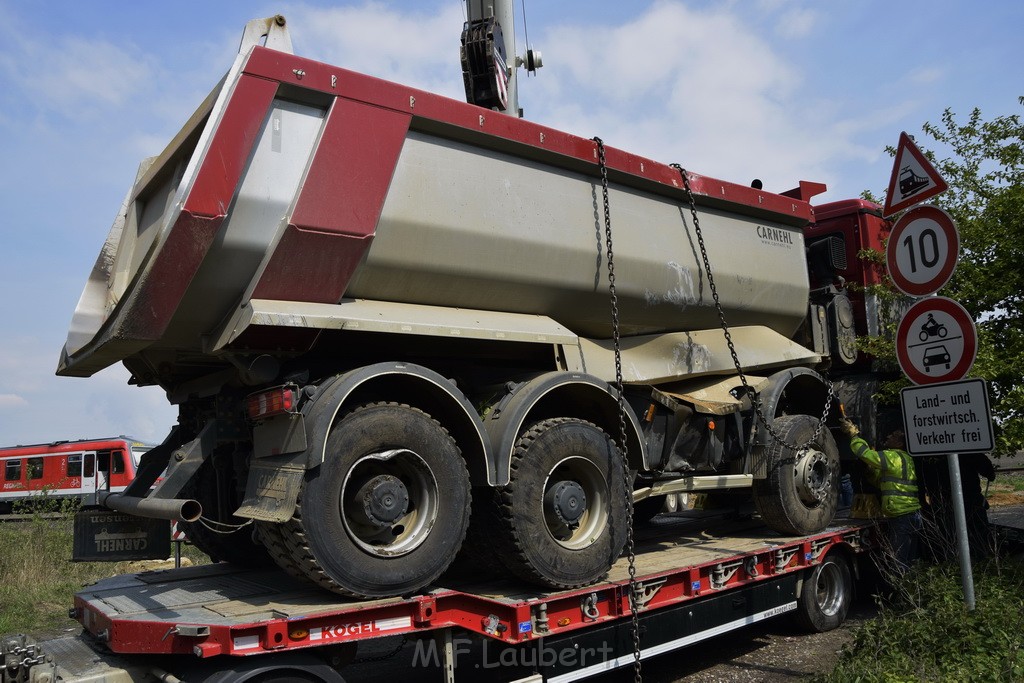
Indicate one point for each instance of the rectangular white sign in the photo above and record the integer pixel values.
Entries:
(951, 417)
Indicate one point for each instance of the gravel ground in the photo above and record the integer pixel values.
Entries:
(776, 651)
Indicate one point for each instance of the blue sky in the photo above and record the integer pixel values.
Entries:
(782, 90)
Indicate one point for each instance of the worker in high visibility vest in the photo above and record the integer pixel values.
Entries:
(891, 470)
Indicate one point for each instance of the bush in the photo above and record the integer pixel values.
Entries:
(926, 633)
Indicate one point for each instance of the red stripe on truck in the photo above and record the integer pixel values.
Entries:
(338, 208)
(204, 209)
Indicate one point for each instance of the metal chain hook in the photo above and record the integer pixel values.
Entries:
(627, 482)
(755, 399)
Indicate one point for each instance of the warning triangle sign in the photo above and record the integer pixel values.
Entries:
(914, 179)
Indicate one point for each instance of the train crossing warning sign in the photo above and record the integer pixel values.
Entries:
(913, 180)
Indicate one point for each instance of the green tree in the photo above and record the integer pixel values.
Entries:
(985, 172)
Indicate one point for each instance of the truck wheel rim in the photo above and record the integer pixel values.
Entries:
(829, 589)
(389, 502)
(813, 476)
(575, 503)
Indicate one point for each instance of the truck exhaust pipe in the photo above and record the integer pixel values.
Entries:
(180, 509)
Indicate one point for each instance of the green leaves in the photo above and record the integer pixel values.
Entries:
(928, 635)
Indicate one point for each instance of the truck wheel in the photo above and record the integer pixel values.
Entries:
(826, 595)
(387, 510)
(562, 515)
(801, 492)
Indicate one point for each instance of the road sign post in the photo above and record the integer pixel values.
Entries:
(936, 340)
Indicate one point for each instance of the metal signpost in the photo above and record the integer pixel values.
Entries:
(936, 341)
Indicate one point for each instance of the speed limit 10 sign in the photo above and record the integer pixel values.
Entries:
(922, 250)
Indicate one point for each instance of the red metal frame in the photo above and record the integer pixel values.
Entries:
(344, 188)
(510, 620)
(428, 108)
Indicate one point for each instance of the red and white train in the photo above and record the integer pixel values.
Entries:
(68, 469)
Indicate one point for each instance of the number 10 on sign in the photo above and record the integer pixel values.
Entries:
(922, 251)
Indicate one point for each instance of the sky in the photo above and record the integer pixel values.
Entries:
(781, 90)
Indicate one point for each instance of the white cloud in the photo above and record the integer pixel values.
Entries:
(417, 47)
(8, 401)
(49, 408)
(72, 75)
(926, 75)
(796, 23)
(700, 87)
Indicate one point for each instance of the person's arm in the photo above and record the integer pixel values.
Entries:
(865, 453)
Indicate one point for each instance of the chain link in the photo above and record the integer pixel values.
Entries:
(627, 480)
(755, 397)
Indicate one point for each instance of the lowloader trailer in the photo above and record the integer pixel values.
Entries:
(222, 622)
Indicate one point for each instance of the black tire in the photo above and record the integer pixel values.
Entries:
(548, 534)
(274, 537)
(826, 595)
(224, 537)
(800, 495)
(387, 510)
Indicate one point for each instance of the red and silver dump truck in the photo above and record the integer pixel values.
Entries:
(387, 321)
(404, 331)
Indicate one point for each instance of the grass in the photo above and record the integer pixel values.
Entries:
(928, 635)
(1012, 482)
(38, 578)
(1007, 489)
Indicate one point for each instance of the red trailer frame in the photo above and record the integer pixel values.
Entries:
(231, 613)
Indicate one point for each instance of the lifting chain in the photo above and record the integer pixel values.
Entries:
(627, 480)
(755, 397)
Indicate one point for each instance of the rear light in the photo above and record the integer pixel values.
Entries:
(276, 401)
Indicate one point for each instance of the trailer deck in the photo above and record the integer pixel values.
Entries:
(227, 610)
(698, 575)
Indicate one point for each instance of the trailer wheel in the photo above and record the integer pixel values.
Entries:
(562, 515)
(801, 492)
(826, 595)
(387, 510)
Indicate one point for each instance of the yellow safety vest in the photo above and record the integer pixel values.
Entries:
(897, 479)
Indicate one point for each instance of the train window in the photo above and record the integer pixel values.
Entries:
(34, 468)
(12, 472)
(118, 467)
(103, 461)
(75, 465)
(89, 469)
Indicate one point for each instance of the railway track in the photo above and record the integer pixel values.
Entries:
(12, 517)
